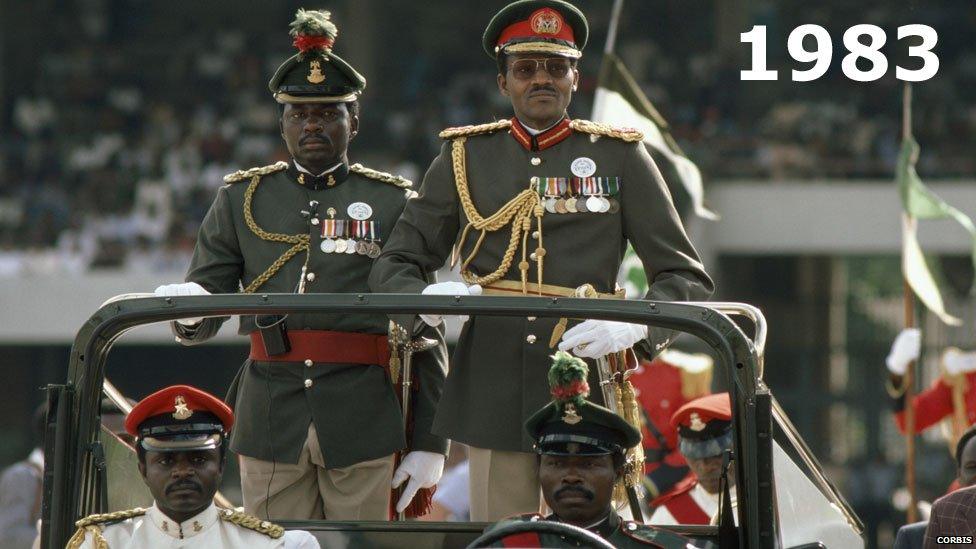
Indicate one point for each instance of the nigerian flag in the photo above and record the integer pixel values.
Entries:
(619, 101)
(920, 202)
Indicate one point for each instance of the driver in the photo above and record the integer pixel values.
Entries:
(581, 447)
(704, 434)
(180, 433)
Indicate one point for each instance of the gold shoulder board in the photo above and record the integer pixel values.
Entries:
(465, 131)
(244, 520)
(605, 130)
(394, 180)
(242, 175)
(110, 517)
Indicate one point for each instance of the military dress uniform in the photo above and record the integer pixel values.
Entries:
(571, 425)
(704, 430)
(531, 213)
(319, 422)
(182, 419)
(662, 386)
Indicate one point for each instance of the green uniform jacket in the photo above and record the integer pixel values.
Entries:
(355, 409)
(498, 373)
(622, 534)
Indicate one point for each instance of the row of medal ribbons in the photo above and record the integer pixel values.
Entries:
(562, 195)
(350, 236)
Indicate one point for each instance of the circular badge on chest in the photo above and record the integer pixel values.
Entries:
(583, 167)
(360, 211)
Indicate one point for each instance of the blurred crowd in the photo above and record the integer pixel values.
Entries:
(116, 142)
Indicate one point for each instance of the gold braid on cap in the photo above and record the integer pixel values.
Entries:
(92, 525)
(517, 212)
(299, 242)
(244, 520)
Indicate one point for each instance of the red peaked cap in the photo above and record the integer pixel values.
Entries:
(707, 408)
(169, 400)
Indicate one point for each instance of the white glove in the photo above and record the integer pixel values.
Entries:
(596, 338)
(958, 362)
(904, 350)
(423, 469)
(176, 290)
(447, 288)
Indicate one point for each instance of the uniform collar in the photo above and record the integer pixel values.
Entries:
(603, 527)
(329, 178)
(187, 529)
(542, 140)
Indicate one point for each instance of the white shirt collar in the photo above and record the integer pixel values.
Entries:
(533, 131)
(187, 529)
(302, 169)
(36, 457)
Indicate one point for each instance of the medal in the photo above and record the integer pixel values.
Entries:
(604, 204)
(583, 167)
(362, 247)
(581, 206)
(614, 205)
(374, 250)
(594, 204)
(350, 246)
(551, 205)
(340, 246)
(328, 246)
(359, 211)
(571, 205)
(561, 206)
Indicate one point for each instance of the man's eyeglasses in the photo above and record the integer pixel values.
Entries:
(525, 69)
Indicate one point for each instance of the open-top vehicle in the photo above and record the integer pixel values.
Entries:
(783, 498)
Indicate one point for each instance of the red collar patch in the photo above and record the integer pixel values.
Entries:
(543, 140)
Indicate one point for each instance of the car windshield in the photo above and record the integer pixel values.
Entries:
(95, 470)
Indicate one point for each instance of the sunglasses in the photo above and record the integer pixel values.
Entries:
(525, 69)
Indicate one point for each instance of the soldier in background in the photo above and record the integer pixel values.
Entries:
(319, 421)
(536, 205)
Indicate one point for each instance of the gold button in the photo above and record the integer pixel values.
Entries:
(315, 221)
(534, 180)
(310, 276)
(308, 383)
(536, 161)
(530, 338)
(308, 362)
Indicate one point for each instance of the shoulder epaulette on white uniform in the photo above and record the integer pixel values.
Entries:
(92, 524)
(244, 520)
(394, 180)
(243, 175)
(605, 130)
(478, 129)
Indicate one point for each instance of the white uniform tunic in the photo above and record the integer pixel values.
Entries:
(208, 529)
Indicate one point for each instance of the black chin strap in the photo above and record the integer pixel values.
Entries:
(727, 534)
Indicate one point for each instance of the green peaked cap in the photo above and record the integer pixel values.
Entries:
(571, 424)
(315, 74)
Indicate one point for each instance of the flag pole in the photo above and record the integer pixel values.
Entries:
(618, 6)
(908, 382)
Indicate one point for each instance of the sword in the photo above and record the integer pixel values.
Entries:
(607, 380)
(418, 345)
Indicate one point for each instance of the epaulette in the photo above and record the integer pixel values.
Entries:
(242, 175)
(115, 516)
(244, 520)
(478, 129)
(629, 135)
(394, 180)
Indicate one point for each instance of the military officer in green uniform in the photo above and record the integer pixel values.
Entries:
(581, 452)
(319, 422)
(536, 205)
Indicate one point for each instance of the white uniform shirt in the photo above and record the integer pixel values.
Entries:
(205, 530)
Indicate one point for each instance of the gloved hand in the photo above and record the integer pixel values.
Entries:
(447, 288)
(423, 469)
(186, 288)
(958, 362)
(596, 338)
(904, 350)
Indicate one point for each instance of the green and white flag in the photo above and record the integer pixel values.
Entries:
(619, 101)
(919, 202)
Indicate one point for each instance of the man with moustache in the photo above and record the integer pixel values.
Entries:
(180, 433)
(581, 450)
(319, 421)
(704, 435)
(536, 205)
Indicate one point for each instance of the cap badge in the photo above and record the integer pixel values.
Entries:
(546, 21)
(182, 411)
(315, 75)
(696, 423)
(570, 416)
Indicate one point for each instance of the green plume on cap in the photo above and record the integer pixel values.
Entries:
(567, 380)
